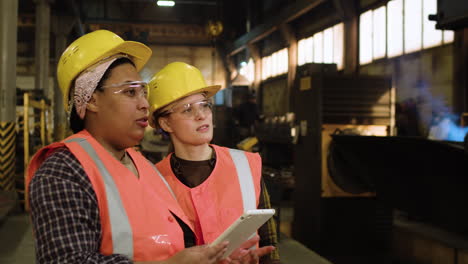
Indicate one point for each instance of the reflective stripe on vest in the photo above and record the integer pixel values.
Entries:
(245, 179)
(122, 234)
(163, 179)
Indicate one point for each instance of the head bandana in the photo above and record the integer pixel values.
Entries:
(86, 83)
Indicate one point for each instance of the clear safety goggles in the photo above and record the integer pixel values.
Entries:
(190, 110)
(134, 89)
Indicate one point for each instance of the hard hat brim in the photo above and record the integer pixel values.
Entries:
(139, 53)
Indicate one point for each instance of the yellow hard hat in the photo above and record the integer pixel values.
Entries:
(92, 48)
(175, 81)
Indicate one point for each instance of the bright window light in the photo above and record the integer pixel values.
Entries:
(379, 34)
(431, 36)
(323, 47)
(264, 68)
(309, 55)
(318, 47)
(285, 60)
(305, 51)
(365, 37)
(395, 28)
(449, 35)
(301, 52)
(165, 3)
(338, 44)
(274, 64)
(282, 60)
(267, 67)
(248, 70)
(328, 45)
(413, 25)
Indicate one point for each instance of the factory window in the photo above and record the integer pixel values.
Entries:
(395, 28)
(379, 36)
(431, 37)
(275, 64)
(365, 37)
(412, 25)
(338, 45)
(323, 47)
(328, 45)
(402, 26)
(318, 47)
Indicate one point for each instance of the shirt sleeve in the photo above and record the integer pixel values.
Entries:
(268, 232)
(65, 214)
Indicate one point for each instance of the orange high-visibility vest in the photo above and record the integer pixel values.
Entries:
(135, 213)
(232, 188)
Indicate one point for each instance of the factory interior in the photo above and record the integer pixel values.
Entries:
(358, 109)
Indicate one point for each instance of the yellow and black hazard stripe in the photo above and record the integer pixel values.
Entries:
(7, 155)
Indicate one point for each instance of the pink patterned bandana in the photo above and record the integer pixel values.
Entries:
(86, 83)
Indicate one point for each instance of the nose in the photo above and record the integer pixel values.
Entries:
(200, 114)
(143, 103)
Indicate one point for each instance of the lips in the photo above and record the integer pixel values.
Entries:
(143, 122)
(203, 128)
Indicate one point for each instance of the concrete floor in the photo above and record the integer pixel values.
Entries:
(16, 240)
(17, 245)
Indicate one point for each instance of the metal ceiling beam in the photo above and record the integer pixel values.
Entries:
(288, 14)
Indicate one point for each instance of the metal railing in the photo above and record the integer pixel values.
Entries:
(41, 119)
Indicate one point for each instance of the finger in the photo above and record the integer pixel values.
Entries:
(214, 250)
(251, 242)
(250, 258)
(254, 257)
(263, 250)
(239, 253)
(218, 251)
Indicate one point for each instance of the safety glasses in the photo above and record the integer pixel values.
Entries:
(190, 110)
(134, 89)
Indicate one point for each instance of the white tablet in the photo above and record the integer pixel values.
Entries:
(243, 228)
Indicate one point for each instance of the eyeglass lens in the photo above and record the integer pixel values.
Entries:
(192, 109)
(133, 89)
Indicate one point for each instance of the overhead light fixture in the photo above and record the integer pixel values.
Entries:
(165, 3)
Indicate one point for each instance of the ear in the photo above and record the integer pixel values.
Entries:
(93, 103)
(165, 124)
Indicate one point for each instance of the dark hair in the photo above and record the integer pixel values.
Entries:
(76, 123)
(156, 115)
(158, 129)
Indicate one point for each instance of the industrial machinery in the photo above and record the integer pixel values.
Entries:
(332, 220)
(425, 179)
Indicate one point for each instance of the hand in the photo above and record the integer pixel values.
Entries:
(195, 255)
(199, 254)
(245, 255)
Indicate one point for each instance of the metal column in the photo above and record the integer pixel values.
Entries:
(61, 28)
(42, 46)
(8, 32)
